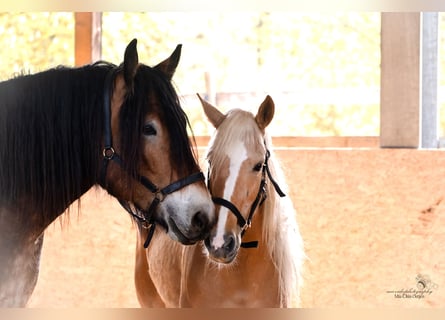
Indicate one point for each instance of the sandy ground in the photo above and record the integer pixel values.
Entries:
(372, 221)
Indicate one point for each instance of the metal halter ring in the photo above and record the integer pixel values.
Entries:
(246, 226)
(146, 225)
(108, 153)
(159, 195)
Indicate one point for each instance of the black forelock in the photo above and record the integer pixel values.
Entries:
(150, 83)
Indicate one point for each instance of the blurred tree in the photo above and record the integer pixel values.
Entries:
(322, 69)
(265, 53)
(33, 42)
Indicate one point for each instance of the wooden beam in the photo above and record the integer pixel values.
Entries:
(430, 67)
(88, 37)
(312, 142)
(400, 95)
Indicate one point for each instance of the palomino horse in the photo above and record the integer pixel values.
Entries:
(66, 129)
(266, 272)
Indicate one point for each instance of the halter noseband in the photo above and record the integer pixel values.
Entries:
(109, 154)
(261, 196)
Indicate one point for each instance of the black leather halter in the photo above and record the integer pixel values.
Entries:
(109, 154)
(261, 196)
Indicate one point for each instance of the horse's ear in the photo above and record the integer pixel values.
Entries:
(168, 66)
(265, 113)
(131, 62)
(214, 115)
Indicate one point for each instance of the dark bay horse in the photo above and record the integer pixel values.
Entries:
(65, 130)
(254, 254)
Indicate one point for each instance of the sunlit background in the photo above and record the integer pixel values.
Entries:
(322, 69)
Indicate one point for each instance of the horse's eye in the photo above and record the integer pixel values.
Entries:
(258, 166)
(149, 130)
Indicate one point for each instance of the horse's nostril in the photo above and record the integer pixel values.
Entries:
(200, 221)
(207, 242)
(229, 244)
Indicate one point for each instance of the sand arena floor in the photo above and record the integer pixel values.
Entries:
(373, 222)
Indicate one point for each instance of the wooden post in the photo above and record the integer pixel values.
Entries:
(210, 88)
(88, 37)
(430, 66)
(400, 95)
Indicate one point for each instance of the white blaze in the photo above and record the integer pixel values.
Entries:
(237, 154)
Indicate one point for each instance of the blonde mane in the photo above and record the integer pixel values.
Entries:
(280, 229)
(282, 235)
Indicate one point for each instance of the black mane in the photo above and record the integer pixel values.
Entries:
(51, 127)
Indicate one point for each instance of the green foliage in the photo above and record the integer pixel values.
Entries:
(33, 42)
(322, 69)
(265, 53)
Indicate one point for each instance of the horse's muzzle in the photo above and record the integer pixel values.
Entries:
(225, 253)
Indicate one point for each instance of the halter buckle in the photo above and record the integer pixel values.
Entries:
(108, 153)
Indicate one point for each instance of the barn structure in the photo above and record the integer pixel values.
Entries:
(371, 209)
